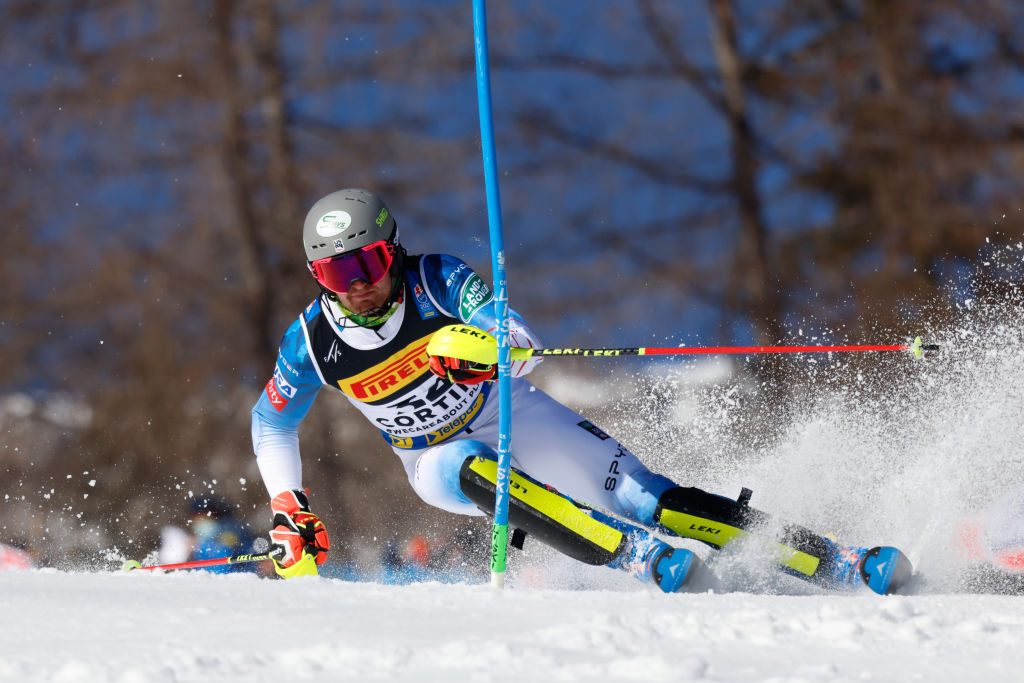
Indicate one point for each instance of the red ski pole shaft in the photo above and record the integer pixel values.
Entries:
(674, 351)
(197, 564)
(682, 350)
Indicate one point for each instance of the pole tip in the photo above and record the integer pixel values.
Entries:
(497, 579)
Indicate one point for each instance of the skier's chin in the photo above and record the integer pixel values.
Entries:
(364, 306)
(364, 302)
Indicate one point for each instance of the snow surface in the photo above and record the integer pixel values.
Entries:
(192, 626)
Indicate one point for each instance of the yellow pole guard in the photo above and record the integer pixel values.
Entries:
(558, 508)
(470, 343)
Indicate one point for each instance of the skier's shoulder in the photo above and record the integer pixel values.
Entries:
(294, 348)
(308, 314)
(443, 272)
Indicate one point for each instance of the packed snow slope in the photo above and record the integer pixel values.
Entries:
(144, 628)
(874, 451)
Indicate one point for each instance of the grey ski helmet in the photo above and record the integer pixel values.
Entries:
(346, 220)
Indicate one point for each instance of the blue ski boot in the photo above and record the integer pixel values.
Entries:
(883, 569)
(650, 559)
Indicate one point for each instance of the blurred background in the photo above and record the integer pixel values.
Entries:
(672, 173)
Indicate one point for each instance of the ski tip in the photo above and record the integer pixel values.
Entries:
(673, 569)
(130, 565)
(682, 571)
(886, 570)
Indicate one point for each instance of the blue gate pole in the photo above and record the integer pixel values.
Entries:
(499, 536)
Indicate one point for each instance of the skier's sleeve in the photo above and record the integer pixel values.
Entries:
(282, 405)
(459, 292)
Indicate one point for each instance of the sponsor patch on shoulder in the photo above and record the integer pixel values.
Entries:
(593, 429)
(283, 386)
(475, 295)
(276, 398)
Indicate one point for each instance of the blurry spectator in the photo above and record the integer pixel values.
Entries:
(991, 546)
(12, 558)
(175, 545)
(451, 563)
(419, 559)
(213, 531)
(417, 552)
(408, 565)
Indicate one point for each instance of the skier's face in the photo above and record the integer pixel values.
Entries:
(362, 297)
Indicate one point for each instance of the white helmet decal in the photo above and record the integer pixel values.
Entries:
(333, 223)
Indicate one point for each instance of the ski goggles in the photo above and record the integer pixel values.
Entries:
(369, 264)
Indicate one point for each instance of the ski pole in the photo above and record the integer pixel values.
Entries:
(469, 343)
(917, 348)
(196, 564)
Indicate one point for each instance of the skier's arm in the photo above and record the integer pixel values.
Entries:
(282, 405)
(460, 293)
(277, 454)
(299, 541)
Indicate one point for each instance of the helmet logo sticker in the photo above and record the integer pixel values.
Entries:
(333, 223)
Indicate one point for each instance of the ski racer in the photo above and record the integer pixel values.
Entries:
(366, 334)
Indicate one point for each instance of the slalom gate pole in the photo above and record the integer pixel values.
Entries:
(916, 348)
(499, 536)
(197, 564)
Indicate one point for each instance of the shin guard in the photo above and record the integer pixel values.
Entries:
(543, 513)
(717, 521)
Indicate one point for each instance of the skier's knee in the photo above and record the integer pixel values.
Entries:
(454, 455)
(436, 477)
(639, 493)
